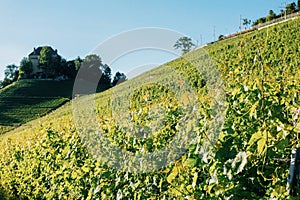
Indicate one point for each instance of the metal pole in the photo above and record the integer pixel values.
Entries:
(201, 39)
(284, 10)
(294, 172)
(214, 34)
(240, 23)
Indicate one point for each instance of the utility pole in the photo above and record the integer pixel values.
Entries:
(214, 34)
(240, 22)
(200, 39)
(284, 10)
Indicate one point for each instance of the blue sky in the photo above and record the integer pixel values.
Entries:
(76, 27)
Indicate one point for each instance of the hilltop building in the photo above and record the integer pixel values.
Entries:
(34, 57)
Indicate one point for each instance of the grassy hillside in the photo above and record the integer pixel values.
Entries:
(26, 100)
(254, 94)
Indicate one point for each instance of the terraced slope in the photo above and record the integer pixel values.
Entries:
(26, 100)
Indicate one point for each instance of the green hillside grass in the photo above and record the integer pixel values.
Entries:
(46, 159)
(26, 100)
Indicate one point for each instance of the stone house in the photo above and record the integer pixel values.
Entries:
(34, 57)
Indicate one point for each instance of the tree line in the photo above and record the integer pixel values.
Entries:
(52, 65)
(185, 44)
(288, 9)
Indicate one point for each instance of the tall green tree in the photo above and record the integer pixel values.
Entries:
(26, 68)
(78, 61)
(185, 44)
(90, 68)
(259, 21)
(106, 75)
(49, 61)
(291, 8)
(11, 74)
(93, 60)
(271, 15)
(71, 69)
(246, 22)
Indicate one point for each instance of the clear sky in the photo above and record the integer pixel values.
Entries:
(76, 27)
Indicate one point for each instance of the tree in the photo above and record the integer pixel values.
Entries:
(271, 15)
(26, 68)
(62, 69)
(185, 44)
(49, 61)
(290, 8)
(92, 61)
(71, 69)
(119, 78)
(246, 22)
(298, 5)
(90, 68)
(11, 74)
(106, 75)
(5, 83)
(259, 21)
(78, 61)
(282, 12)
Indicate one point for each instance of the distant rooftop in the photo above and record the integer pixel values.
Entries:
(37, 51)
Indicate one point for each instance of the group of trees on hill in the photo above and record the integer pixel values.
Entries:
(185, 44)
(93, 67)
(289, 9)
(52, 65)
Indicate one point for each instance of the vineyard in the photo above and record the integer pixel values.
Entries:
(26, 100)
(230, 111)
